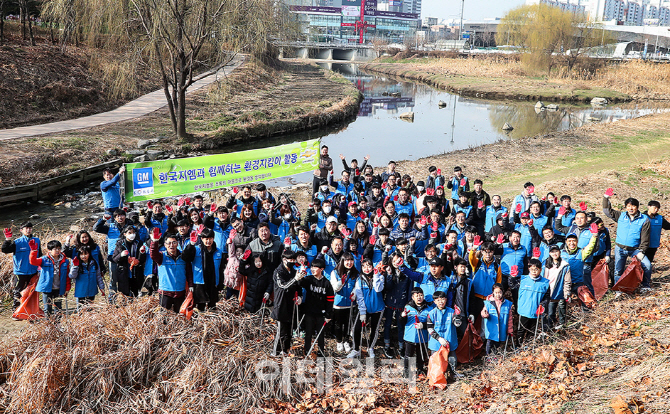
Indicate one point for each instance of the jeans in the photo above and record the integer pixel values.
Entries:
(588, 267)
(555, 313)
(620, 256)
(50, 299)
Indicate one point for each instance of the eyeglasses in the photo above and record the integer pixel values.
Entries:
(170, 243)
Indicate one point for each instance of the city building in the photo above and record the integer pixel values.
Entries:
(340, 21)
(573, 6)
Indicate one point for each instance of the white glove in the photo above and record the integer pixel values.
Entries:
(299, 276)
(443, 342)
(363, 318)
(607, 259)
(418, 325)
(472, 318)
(190, 289)
(640, 256)
(266, 296)
(299, 300)
(124, 253)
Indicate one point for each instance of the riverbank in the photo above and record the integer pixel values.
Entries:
(504, 77)
(256, 101)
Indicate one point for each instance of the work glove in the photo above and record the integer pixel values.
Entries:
(443, 342)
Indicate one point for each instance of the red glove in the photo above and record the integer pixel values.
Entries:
(373, 240)
(180, 202)
(500, 239)
(544, 198)
(213, 207)
(324, 250)
(561, 211)
(379, 212)
(594, 228)
(202, 214)
(540, 310)
(187, 201)
(609, 192)
(107, 216)
(168, 208)
(395, 198)
(439, 171)
(287, 242)
(530, 222)
(156, 233)
(358, 172)
(434, 225)
(8, 233)
(247, 253)
(505, 215)
(33, 245)
(237, 190)
(125, 209)
(478, 241)
(200, 229)
(430, 191)
(346, 233)
(457, 310)
(295, 297)
(517, 208)
(514, 271)
(583, 206)
(433, 235)
(362, 215)
(150, 205)
(480, 204)
(555, 200)
(384, 185)
(232, 234)
(75, 262)
(143, 249)
(536, 252)
(423, 221)
(463, 182)
(401, 262)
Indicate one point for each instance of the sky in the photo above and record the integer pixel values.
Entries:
(474, 9)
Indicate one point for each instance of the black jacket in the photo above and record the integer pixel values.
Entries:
(285, 288)
(320, 296)
(129, 281)
(259, 282)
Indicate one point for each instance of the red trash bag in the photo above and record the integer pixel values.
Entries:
(30, 302)
(438, 364)
(470, 346)
(631, 277)
(586, 297)
(186, 308)
(600, 279)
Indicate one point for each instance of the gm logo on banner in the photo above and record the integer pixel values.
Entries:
(143, 181)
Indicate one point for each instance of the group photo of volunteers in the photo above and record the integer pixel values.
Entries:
(376, 264)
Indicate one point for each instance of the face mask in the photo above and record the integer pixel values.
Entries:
(419, 187)
(326, 210)
(324, 188)
(131, 236)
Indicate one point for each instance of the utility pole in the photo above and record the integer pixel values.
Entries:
(460, 28)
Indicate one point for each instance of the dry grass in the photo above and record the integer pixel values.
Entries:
(637, 78)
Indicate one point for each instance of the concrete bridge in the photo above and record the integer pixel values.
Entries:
(327, 51)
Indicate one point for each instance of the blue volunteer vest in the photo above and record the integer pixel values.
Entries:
(444, 326)
(198, 277)
(86, 283)
(495, 326)
(512, 257)
(46, 280)
(172, 274)
(656, 228)
(374, 301)
(531, 293)
(491, 214)
(484, 278)
(21, 259)
(628, 231)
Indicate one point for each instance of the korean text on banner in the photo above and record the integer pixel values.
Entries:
(170, 178)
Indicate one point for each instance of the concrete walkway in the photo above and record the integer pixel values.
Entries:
(143, 105)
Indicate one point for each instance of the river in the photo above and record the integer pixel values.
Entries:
(379, 132)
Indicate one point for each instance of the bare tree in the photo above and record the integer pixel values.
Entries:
(175, 37)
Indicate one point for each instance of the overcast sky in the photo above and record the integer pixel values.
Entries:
(474, 9)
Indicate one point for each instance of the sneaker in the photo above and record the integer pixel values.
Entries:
(558, 327)
(371, 353)
(645, 289)
(347, 347)
(354, 354)
(618, 294)
(388, 352)
(340, 347)
(14, 318)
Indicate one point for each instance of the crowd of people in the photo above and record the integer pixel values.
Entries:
(374, 254)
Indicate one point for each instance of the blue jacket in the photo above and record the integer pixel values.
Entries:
(560, 287)
(628, 232)
(111, 192)
(221, 235)
(21, 255)
(455, 184)
(657, 224)
(342, 290)
(198, 277)
(46, 280)
(441, 321)
(526, 237)
(495, 326)
(113, 231)
(583, 239)
(405, 208)
(577, 259)
(311, 252)
(430, 285)
(566, 221)
(532, 294)
(421, 312)
(492, 215)
(368, 293)
(512, 257)
(172, 273)
(484, 276)
(87, 278)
